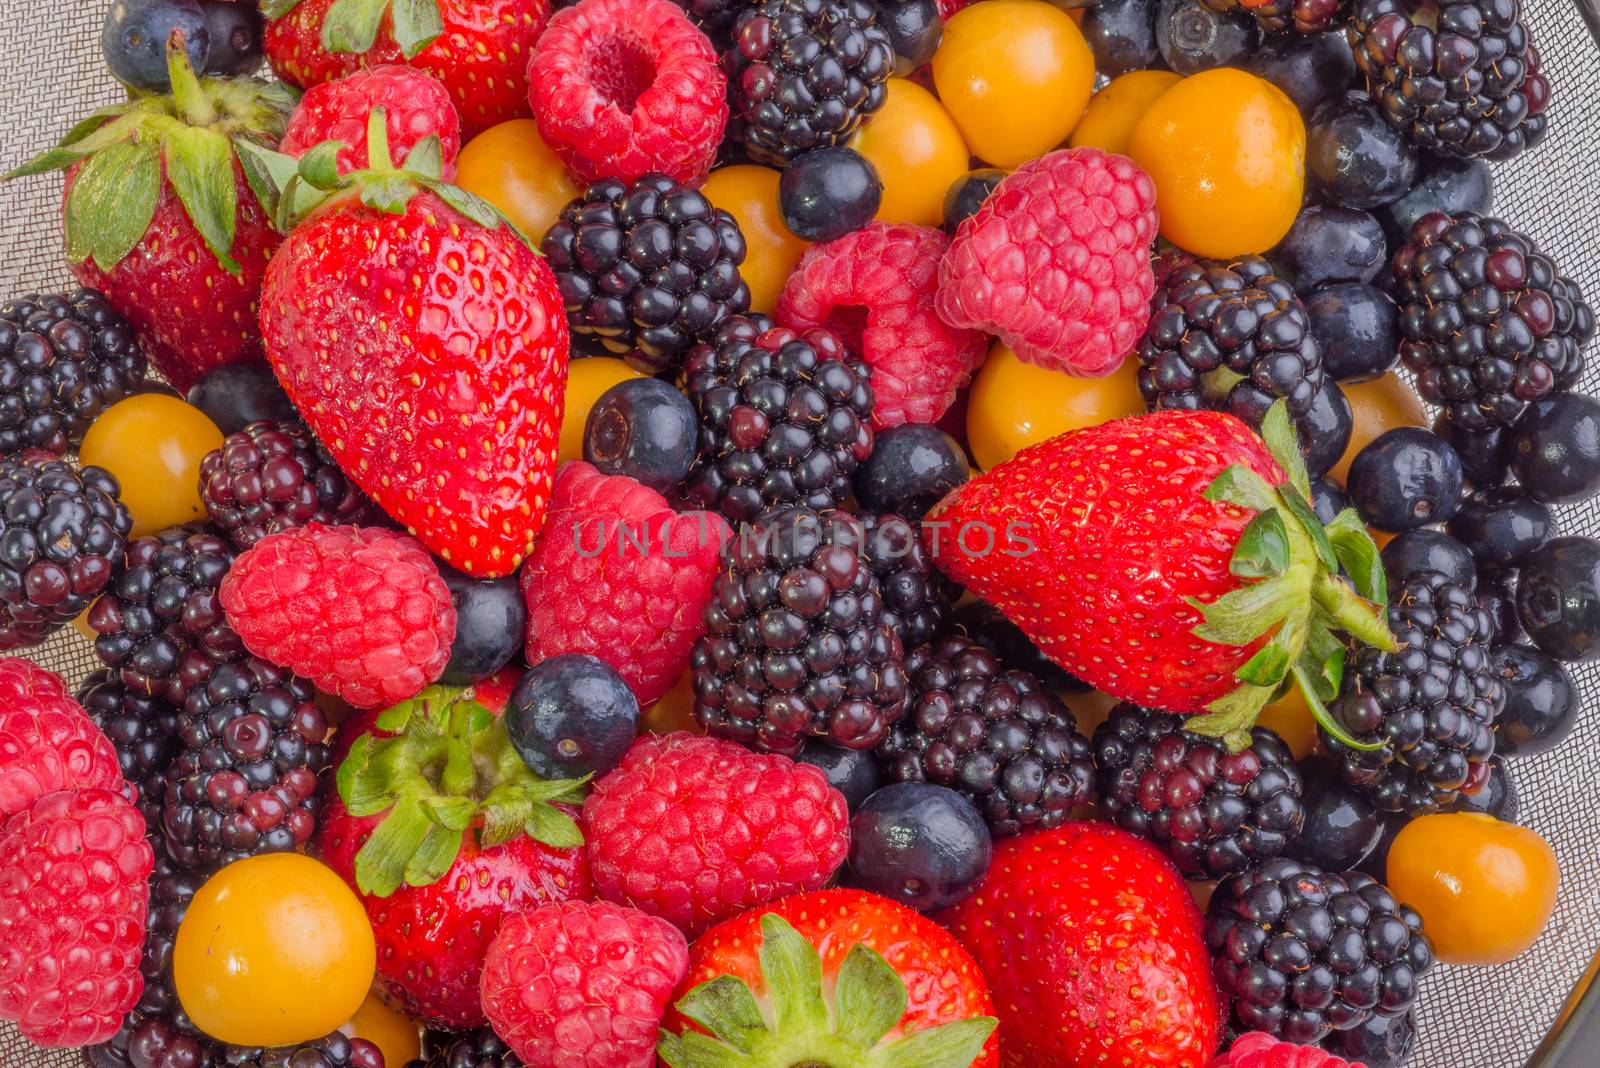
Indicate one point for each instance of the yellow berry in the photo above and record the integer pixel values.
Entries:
(673, 710)
(750, 194)
(918, 152)
(153, 444)
(511, 167)
(396, 1036)
(1114, 111)
(1291, 717)
(1015, 404)
(586, 380)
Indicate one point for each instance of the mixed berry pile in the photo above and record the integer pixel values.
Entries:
(787, 533)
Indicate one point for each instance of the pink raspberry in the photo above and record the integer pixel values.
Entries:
(416, 106)
(582, 984)
(73, 904)
(875, 287)
(1057, 261)
(47, 741)
(621, 88)
(696, 830)
(361, 612)
(1257, 1049)
(619, 575)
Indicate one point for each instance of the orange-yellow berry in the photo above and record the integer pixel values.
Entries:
(511, 167)
(918, 152)
(750, 194)
(1114, 111)
(586, 380)
(1015, 404)
(153, 444)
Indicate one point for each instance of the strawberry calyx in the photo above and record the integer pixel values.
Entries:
(801, 1027)
(444, 766)
(351, 26)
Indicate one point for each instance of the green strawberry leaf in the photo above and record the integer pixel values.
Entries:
(1307, 675)
(276, 9)
(92, 122)
(1300, 508)
(351, 26)
(952, 1045)
(451, 813)
(869, 997)
(426, 158)
(433, 856)
(1268, 666)
(1358, 555)
(726, 1007)
(416, 25)
(793, 971)
(112, 203)
(267, 171)
(1277, 430)
(1231, 716)
(554, 828)
(471, 205)
(692, 1049)
(1239, 485)
(382, 862)
(54, 159)
(390, 195)
(200, 168)
(1242, 615)
(1263, 547)
(320, 165)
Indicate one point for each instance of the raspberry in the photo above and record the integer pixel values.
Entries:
(582, 984)
(695, 830)
(619, 575)
(416, 105)
(1257, 1049)
(1057, 261)
(875, 288)
(624, 87)
(47, 741)
(72, 915)
(361, 612)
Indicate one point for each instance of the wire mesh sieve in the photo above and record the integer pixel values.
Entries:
(1470, 1017)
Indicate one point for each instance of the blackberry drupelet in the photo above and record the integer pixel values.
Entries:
(992, 733)
(64, 359)
(917, 597)
(784, 418)
(804, 74)
(275, 476)
(1459, 77)
(144, 732)
(337, 1050)
(480, 1048)
(254, 755)
(1299, 952)
(62, 535)
(1432, 705)
(795, 643)
(647, 270)
(1488, 325)
(1213, 811)
(1302, 16)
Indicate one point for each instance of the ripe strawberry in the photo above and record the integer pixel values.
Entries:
(895, 989)
(1091, 943)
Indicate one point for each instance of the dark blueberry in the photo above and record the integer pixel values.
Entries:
(1356, 157)
(1555, 449)
(1377, 862)
(910, 469)
(236, 31)
(237, 394)
(572, 716)
(1191, 37)
(919, 844)
(1495, 597)
(1558, 598)
(1308, 68)
(134, 38)
(1427, 550)
(1501, 526)
(914, 28)
(967, 194)
(1327, 499)
(1329, 243)
(1381, 1042)
(1122, 34)
(1405, 478)
(1498, 796)
(1485, 454)
(1324, 429)
(1357, 329)
(1341, 824)
(645, 429)
(828, 192)
(853, 772)
(491, 622)
(1448, 185)
(1541, 701)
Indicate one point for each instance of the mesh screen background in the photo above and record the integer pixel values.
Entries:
(1471, 1018)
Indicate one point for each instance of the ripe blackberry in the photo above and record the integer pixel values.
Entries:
(804, 74)
(1299, 953)
(1488, 324)
(1302, 16)
(716, 17)
(253, 757)
(1213, 811)
(1432, 704)
(795, 641)
(64, 359)
(647, 270)
(992, 733)
(144, 732)
(62, 534)
(1459, 77)
(916, 595)
(784, 418)
(275, 476)
(479, 1048)
(337, 1050)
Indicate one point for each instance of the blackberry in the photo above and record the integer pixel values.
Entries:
(337, 1050)
(1488, 325)
(254, 755)
(784, 418)
(64, 359)
(716, 17)
(1301, 16)
(1213, 811)
(795, 641)
(143, 730)
(916, 595)
(804, 74)
(992, 733)
(275, 476)
(480, 1048)
(988, 626)
(62, 534)
(1432, 704)
(647, 270)
(1459, 77)
(1300, 953)
(160, 626)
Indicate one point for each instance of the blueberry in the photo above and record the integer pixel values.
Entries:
(1308, 68)
(1443, 184)
(236, 31)
(1324, 430)
(1485, 454)
(1541, 701)
(911, 467)
(914, 28)
(237, 394)
(1555, 448)
(1341, 825)
(1381, 1042)
(1358, 159)
(853, 772)
(1498, 797)
(967, 194)
(921, 845)
(1558, 597)
(1496, 599)
(1357, 330)
(645, 429)
(1501, 526)
(1427, 550)
(1327, 499)
(134, 39)
(828, 192)
(491, 621)
(1329, 243)
(571, 716)
(1122, 34)
(1405, 478)
(1191, 37)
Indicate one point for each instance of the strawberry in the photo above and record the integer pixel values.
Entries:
(831, 979)
(1092, 945)
(165, 215)
(1172, 560)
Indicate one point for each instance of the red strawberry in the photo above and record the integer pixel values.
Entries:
(892, 981)
(1091, 943)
